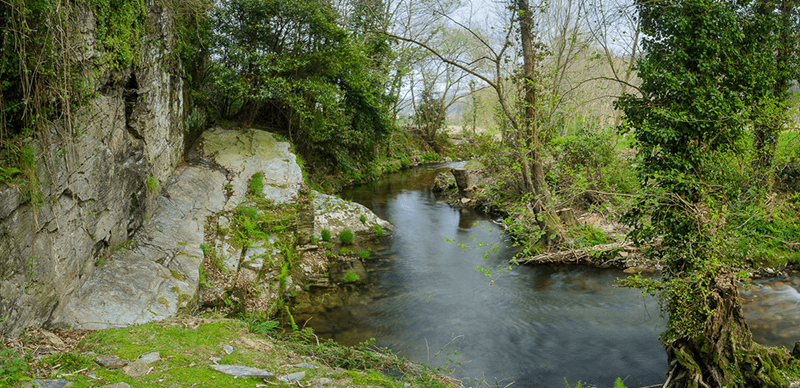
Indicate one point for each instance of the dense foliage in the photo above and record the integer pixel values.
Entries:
(703, 77)
(292, 67)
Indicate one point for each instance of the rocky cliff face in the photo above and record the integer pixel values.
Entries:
(94, 183)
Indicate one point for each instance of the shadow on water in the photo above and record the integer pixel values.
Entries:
(535, 326)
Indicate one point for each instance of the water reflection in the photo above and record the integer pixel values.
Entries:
(533, 325)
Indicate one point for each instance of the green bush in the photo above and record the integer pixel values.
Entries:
(261, 72)
(325, 235)
(364, 254)
(346, 236)
(363, 218)
(378, 230)
(351, 277)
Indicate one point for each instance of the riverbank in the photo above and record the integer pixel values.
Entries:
(206, 351)
(260, 244)
(594, 234)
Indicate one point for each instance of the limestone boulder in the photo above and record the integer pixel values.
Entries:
(336, 214)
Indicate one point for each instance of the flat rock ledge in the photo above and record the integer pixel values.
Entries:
(155, 275)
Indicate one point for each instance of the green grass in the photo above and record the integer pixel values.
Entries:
(346, 236)
(325, 235)
(351, 277)
(152, 184)
(186, 346)
(256, 184)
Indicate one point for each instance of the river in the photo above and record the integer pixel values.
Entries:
(534, 326)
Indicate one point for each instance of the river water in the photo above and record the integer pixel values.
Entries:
(534, 326)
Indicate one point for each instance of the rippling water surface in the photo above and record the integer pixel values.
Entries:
(772, 309)
(534, 326)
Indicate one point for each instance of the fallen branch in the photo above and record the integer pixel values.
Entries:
(596, 255)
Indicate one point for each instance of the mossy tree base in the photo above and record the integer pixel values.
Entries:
(724, 354)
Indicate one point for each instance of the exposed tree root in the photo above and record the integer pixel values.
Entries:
(724, 354)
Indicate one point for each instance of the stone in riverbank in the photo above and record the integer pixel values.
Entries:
(336, 214)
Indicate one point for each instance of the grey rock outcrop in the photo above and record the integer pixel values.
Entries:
(93, 180)
(158, 276)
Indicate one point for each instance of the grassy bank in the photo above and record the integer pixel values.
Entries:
(189, 347)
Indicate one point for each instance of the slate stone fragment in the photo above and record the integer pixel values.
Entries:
(242, 371)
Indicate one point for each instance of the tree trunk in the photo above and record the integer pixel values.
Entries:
(462, 182)
(723, 354)
(528, 135)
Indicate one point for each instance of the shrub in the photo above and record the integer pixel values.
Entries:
(378, 230)
(351, 277)
(346, 236)
(325, 235)
(345, 251)
(363, 219)
(363, 254)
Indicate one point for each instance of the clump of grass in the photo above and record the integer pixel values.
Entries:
(206, 249)
(345, 251)
(152, 184)
(251, 212)
(346, 236)
(325, 235)
(378, 230)
(363, 219)
(259, 323)
(13, 368)
(351, 277)
(256, 184)
(363, 254)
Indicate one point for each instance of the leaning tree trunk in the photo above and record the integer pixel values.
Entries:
(724, 354)
(528, 133)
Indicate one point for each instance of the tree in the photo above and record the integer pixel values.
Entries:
(698, 94)
(493, 66)
(291, 66)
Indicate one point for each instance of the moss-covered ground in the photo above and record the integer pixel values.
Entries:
(189, 346)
